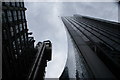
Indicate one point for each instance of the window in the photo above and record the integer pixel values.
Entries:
(23, 17)
(19, 16)
(9, 15)
(19, 45)
(18, 40)
(11, 30)
(22, 38)
(16, 56)
(20, 51)
(25, 37)
(18, 5)
(17, 30)
(5, 34)
(24, 25)
(15, 51)
(22, 41)
(15, 15)
(3, 17)
(20, 27)
(13, 3)
(7, 3)
(14, 47)
(3, 3)
(21, 4)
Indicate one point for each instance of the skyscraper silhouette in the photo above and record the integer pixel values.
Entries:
(20, 59)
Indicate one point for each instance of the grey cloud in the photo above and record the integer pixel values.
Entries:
(104, 10)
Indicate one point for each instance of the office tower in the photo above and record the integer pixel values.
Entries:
(20, 59)
(93, 48)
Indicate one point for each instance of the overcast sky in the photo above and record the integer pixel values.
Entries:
(45, 23)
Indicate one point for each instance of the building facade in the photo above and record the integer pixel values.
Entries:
(19, 56)
(93, 48)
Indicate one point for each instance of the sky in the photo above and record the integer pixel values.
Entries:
(44, 20)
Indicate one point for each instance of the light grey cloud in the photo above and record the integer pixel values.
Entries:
(44, 22)
(103, 10)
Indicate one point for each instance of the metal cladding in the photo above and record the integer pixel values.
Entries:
(20, 60)
(96, 45)
(43, 55)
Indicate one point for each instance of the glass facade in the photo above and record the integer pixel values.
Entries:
(71, 62)
(76, 65)
(94, 42)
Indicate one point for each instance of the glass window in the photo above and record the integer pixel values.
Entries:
(5, 34)
(18, 40)
(21, 4)
(20, 27)
(25, 37)
(17, 30)
(24, 25)
(23, 17)
(22, 38)
(11, 30)
(10, 18)
(16, 55)
(7, 3)
(22, 41)
(17, 4)
(3, 3)
(13, 3)
(9, 15)
(82, 29)
(15, 15)
(20, 51)
(19, 15)
(14, 47)
(3, 17)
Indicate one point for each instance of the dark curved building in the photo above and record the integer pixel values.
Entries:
(20, 59)
(93, 48)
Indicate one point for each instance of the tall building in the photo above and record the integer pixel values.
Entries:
(20, 59)
(93, 48)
